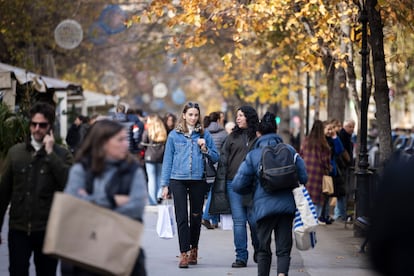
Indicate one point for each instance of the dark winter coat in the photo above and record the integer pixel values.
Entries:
(247, 180)
(29, 180)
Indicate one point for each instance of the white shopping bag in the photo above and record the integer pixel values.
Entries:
(226, 222)
(306, 218)
(166, 220)
(305, 240)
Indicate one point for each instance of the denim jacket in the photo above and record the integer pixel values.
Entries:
(183, 159)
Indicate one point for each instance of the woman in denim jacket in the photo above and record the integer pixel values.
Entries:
(183, 175)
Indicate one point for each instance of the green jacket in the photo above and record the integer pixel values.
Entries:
(28, 182)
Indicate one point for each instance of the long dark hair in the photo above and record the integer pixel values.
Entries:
(212, 117)
(317, 135)
(91, 153)
(252, 122)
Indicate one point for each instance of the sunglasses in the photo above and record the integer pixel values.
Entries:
(41, 125)
(193, 105)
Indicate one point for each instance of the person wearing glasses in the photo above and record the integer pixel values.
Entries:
(31, 173)
(183, 174)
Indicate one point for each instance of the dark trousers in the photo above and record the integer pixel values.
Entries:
(193, 191)
(21, 246)
(281, 225)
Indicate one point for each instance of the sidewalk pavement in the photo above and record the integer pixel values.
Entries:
(336, 253)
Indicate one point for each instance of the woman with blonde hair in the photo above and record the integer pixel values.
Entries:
(183, 174)
(153, 140)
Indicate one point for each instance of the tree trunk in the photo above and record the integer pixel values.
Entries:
(338, 96)
(284, 126)
(302, 112)
(329, 64)
(317, 97)
(381, 93)
(351, 78)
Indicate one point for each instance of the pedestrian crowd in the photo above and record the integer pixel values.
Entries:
(129, 160)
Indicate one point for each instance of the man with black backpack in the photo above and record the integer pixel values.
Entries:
(273, 203)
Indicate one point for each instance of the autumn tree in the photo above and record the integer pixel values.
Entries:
(272, 40)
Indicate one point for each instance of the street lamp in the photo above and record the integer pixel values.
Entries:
(363, 174)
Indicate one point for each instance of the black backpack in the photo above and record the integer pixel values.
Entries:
(277, 170)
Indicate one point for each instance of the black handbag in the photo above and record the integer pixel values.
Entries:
(209, 168)
(220, 203)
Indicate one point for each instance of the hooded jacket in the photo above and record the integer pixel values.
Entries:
(247, 180)
(218, 133)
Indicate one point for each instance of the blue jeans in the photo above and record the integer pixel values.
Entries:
(340, 208)
(154, 181)
(241, 214)
(206, 216)
(318, 209)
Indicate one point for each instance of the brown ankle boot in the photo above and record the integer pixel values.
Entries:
(183, 260)
(192, 259)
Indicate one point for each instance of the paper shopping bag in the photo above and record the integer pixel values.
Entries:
(327, 185)
(166, 220)
(92, 237)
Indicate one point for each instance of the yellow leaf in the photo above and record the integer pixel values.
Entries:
(285, 79)
(238, 53)
(227, 59)
(314, 47)
(322, 9)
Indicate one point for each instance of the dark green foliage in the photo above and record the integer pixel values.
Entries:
(13, 129)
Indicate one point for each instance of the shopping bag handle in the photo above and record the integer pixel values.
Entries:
(168, 201)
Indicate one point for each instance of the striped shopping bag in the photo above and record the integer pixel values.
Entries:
(306, 219)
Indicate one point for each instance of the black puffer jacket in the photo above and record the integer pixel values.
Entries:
(28, 182)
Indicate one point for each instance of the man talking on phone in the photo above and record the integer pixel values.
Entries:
(31, 173)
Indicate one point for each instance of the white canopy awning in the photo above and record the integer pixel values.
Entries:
(40, 82)
(97, 99)
(88, 99)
